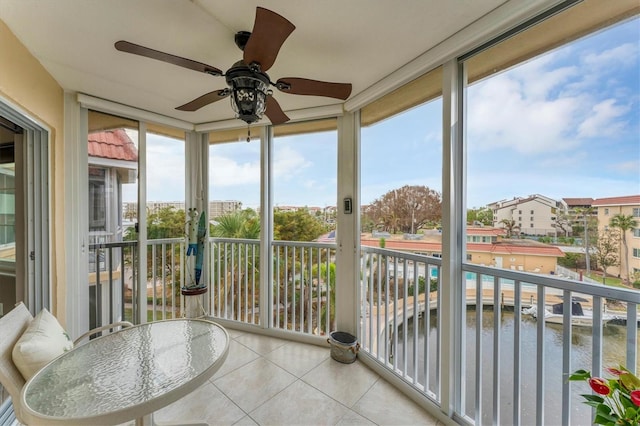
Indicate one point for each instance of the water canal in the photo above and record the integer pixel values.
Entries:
(614, 348)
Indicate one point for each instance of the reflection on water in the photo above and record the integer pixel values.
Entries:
(614, 350)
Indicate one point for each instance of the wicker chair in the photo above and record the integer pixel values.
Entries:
(12, 326)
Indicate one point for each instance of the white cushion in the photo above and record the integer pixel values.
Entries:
(42, 341)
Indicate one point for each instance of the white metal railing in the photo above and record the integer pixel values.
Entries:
(303, 279)
(235, 279)
(597, 327)
(514, 362)
(396, 288)
(113, 280)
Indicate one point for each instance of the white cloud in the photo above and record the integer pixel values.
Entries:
(288, 162)
(627, 167)
(622, 55)
(227, 172)
(165, 169)
(602, 120)
(503, 113)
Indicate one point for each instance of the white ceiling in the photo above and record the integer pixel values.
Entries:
(351, 41)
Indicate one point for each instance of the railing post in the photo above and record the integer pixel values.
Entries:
(266, 228)
(348, 224)
(453, 230)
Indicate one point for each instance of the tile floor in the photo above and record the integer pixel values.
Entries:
(270, 381)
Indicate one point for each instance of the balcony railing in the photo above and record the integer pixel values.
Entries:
(513, 363)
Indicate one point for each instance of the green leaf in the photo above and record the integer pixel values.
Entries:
(629, 381)
(603, 411)
(593, 398)
(602, 420)
(580, 375)
(593, 404)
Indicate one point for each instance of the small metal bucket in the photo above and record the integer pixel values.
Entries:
(344, 346)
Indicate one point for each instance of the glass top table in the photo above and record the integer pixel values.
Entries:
(126, 375)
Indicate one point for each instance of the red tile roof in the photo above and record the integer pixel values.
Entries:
(618, 201)
(525, 247)
(485, 231)
(112, 144)
(578, 201)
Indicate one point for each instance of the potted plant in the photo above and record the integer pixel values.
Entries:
(616, 400)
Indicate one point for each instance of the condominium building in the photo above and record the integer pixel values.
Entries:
(628, 206)
(533, 215)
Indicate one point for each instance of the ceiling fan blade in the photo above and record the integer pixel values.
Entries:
(274, 112)
(270, 30)
(125, 46)
(204, 100)
(304, 86)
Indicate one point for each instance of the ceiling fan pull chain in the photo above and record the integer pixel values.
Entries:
(248, 133)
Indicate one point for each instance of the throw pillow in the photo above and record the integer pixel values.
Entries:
(43, 340)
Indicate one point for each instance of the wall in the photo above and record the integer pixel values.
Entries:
(26, 84)
(520, 262)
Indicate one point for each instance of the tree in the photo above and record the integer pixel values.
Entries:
(584, 215)
(406, 209)
(483, 215)
(570, 260)
(606, 252)
(236, 262)
(563, 223)
(239, 224)
(165, 223)
(624, 223)
(510, 226)
(299, 225)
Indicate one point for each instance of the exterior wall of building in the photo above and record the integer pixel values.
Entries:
(605, 213)
(220, 208)
(516, 262)
(216, 208)
(534, 215)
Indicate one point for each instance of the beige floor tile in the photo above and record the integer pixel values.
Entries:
(238, 356)
(246, 421)
(385, 405)
(205, 404)
(354, 419)
(260, 344)
(298, 358)
(254, 383)
(299, 404)
(345, 383)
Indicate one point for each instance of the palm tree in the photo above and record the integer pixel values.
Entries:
(585, 214)
(237, 260)
(624, 223)
(510, 226)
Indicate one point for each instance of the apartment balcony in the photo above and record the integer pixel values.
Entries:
(464, 343)
(512, 369)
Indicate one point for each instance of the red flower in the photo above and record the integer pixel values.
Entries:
(599, 385)
(613, 371)
(635, 397)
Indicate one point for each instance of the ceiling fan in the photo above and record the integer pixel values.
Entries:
(247, 80)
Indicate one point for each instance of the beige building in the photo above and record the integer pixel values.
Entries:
(533, 215)
(628, 206)
(216, 208)
(487, 247)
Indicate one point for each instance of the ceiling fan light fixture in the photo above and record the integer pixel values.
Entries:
(247, 80)
(249, 91)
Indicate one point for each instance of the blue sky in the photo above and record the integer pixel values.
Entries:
(566, 124)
